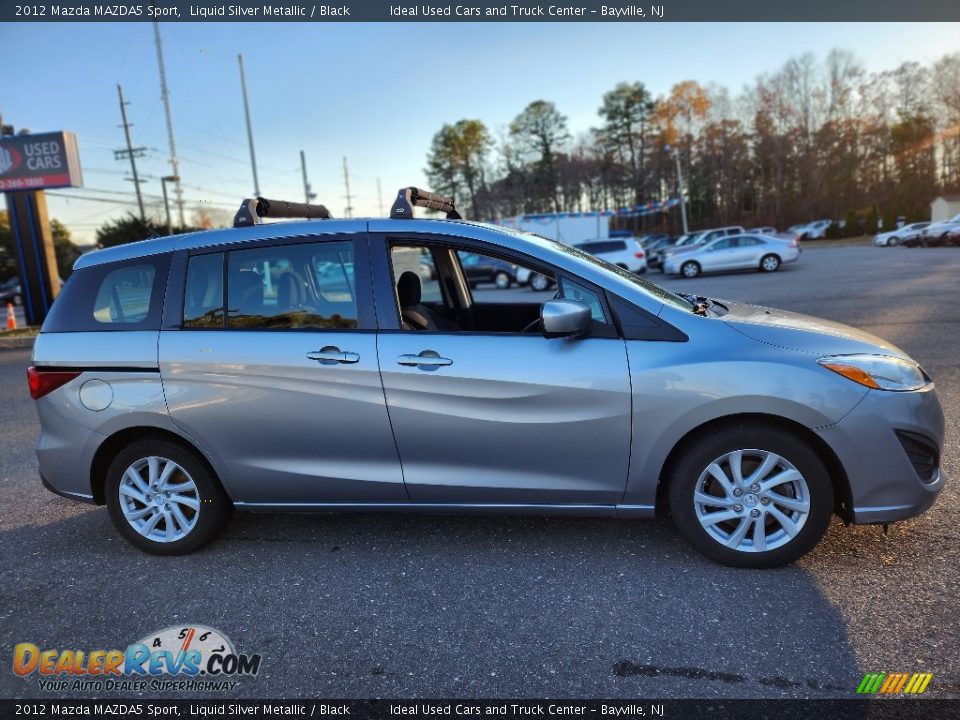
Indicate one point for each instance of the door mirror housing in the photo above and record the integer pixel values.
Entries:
(565, 318)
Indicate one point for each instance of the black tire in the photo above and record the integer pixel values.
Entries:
(699, 454)
(502, 280)
(690, 269)
(770, 263)
(893, 242)
(214, 510)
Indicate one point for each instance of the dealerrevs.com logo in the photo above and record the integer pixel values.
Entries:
(177, 658)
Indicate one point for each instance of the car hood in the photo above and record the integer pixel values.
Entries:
(804, 333)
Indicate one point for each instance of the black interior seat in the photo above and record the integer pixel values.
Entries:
(413, 313)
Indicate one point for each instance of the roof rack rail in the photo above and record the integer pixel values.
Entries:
(410, 197)
(252, 209)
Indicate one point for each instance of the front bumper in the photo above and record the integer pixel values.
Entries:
(884, 485)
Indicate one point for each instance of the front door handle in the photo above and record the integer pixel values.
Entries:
(331, 355)
(426, 360)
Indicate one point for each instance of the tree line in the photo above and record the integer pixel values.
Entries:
(814, 139)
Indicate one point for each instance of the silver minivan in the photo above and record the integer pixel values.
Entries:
(312, 366)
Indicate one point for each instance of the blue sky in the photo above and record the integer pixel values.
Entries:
(373, 92)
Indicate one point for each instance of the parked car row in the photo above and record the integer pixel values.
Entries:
(922, 234)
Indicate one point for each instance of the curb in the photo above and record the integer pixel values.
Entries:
(17, 343)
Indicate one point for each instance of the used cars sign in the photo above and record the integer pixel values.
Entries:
(38, 162)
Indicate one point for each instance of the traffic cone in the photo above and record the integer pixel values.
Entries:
(11, 317)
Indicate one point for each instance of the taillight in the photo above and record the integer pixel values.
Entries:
(44, 382)
(794, 244)
(641, 254)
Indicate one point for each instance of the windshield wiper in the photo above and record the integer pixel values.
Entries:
(698, 303)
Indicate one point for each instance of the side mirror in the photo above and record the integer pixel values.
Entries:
(565, 318)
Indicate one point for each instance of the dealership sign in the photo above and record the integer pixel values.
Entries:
(38, 162)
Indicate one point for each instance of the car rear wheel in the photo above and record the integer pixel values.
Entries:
(751, 496)
(769, 263)
(163, 499)
(690, 269)
(539, 282)
(501, 280)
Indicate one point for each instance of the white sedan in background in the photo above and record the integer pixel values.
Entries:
(898, 236)
(735, 252)
(625, 252)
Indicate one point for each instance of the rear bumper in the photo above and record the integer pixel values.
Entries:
(884, 485)
(65, 452)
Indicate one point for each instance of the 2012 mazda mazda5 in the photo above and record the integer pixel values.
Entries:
(349, 365)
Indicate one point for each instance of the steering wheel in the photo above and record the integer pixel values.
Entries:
(535, 326)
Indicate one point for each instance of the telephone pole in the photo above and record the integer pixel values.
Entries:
(308, 196)
(131, 152)
(348, 211)
(246, 112)
(165, 96)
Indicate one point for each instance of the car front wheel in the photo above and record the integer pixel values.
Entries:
(690, 269)
(751, 497)
(163, 499)
(501, 280)
(769, 263)
(893, 242)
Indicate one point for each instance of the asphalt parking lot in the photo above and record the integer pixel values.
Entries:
(436, 606)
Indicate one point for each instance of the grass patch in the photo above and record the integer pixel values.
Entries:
(20, 332)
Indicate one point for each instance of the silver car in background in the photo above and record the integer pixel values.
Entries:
(312, 366)
(734, 252)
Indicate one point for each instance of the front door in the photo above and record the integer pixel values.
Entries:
(284, 392)
(488, 413)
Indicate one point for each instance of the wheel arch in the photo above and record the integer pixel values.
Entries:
(122, 438)
(838, 475)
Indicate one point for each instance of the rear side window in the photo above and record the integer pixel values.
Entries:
(126, 295)
(203, 296)
(286, 287)
(603, 246)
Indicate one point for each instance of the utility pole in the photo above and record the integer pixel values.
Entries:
(308, 196)
(348, 211)
(379, 197)
(166, 203)
(683, 203)
(246, 112)
(131, 152)
(165, 96)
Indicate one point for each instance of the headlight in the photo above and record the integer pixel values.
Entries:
(880, 372)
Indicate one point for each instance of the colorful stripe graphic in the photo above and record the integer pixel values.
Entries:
(894, 683)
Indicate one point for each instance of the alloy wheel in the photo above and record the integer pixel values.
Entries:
(770, 263)
(690, 269)
(539, 282)
(751, 500)
(159, 499)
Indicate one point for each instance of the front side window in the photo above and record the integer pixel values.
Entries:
(570, 290)
(290, 287)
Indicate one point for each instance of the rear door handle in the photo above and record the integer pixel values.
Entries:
(332, 355)
(426, 360)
